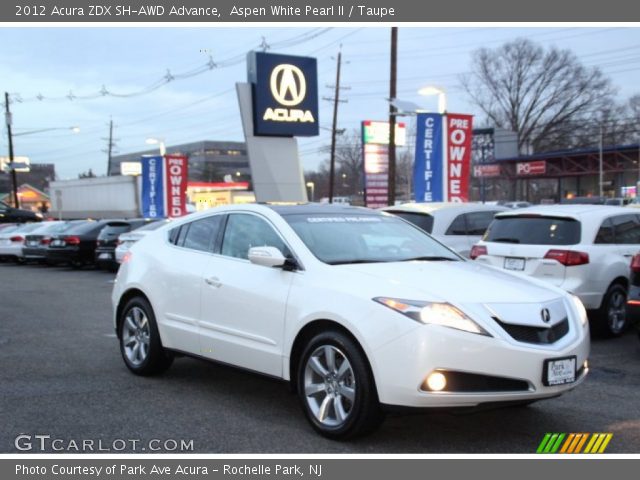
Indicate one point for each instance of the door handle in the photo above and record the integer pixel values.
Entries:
(213, 281)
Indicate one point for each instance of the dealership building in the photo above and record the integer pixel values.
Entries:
(552, 176)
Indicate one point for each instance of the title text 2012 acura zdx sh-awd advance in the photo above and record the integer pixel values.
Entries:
(359, 310)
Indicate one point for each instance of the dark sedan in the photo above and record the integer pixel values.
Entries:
(8, 214)
(37, 242)
(108, 241)
(77, 245)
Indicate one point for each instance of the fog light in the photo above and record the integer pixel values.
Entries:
(585, 365)
(436, 381)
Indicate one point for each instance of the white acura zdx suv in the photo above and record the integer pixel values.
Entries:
(359, 310)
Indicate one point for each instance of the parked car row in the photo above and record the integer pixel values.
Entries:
(77, 243)
(363, 311)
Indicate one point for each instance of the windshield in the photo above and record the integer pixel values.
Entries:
(530, 230)
(365, 238)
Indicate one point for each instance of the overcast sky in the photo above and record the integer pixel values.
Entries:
(56, 62)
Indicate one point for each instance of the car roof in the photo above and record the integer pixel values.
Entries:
(436, 206)
(572, 211)
(320, 209)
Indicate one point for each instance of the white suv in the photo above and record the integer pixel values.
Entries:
(584, 249)
(458, 225)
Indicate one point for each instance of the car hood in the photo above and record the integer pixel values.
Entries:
(457, 282)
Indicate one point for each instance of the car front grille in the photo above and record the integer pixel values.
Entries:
(537, 335)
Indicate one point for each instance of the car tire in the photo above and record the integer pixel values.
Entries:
(140, 343)
(611, 319)
(336, 387)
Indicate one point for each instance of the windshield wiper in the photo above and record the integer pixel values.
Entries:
(359, 260)
(432, 258)
(505, 240)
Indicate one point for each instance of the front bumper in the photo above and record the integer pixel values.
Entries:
(402, 366)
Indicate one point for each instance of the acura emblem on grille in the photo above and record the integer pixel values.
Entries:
(546, 316)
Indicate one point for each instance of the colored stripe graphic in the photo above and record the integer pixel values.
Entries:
(574, 442)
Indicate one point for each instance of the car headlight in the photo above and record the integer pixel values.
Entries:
(433, 313)
(582, 312)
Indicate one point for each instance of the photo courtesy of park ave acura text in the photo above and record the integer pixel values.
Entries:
(275, 236)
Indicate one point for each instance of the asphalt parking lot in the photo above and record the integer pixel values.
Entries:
(62, 375)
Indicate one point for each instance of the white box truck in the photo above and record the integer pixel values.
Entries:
(99, 197)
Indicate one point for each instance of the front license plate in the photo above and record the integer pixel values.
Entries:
(104, 256)
(511, 263)
(559, 371)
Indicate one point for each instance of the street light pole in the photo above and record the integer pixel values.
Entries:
(393, 78)
(14, 181)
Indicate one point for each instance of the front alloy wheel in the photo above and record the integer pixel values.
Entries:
(336, 386)
(329, 386)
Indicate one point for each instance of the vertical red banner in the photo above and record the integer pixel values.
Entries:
(459, 133)
(176, 170)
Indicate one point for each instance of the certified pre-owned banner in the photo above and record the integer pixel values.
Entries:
(152, 187)
(176, 173)
(459, 156)
(428, 172)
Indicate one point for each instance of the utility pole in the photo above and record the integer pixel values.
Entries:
(110, 145)
(14, 181)
(334, 128)
(336, 100)
(391, 199)
(601, 163)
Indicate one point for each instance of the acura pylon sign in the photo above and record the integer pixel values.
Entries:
(285, 94)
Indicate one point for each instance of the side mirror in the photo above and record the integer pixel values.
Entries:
(267, 256)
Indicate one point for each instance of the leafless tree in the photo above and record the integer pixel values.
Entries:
(540, 94)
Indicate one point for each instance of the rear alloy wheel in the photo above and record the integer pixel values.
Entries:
(612, 319)
(336, 387)
(140, 343)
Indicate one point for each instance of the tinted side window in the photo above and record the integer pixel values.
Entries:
(605, 233)
(246, 231)
(202, 233)
(626, 229)
(420, 220)
(458, 226)
(182, 234)
(173, 235)
(478, 222)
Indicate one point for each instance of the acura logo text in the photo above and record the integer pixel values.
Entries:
(288, 88)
